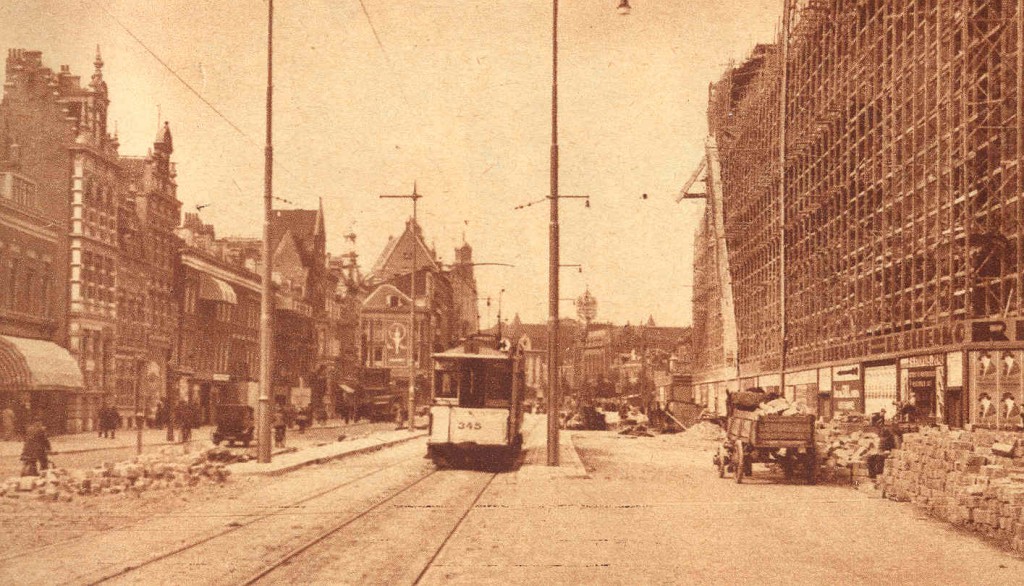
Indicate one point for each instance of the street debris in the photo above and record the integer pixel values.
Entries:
(638, 430)
(587, 418)
(973, 479)
(169, 468)
(706, 431)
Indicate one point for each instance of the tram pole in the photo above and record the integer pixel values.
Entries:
(411, 400)
(267, 288)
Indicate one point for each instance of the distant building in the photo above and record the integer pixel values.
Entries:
(306, 351)
(445, 306)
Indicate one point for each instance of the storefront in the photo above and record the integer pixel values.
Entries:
(38, 378)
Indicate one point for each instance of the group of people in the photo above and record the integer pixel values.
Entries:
(108, 420)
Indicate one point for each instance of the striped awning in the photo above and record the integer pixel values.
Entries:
(27, 365)
(214, 289)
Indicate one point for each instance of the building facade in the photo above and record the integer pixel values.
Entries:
(217, 361)
(147, 309)
(864, 228)
(444, 310)
(37, 374)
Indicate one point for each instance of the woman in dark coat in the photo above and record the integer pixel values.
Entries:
(36, 448)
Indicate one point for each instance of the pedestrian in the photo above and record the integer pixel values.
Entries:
(160, 419)
(183, 419)
(7, 418)
(302, 419)
(289, 414)
(280, 424)
(20, 416)
(104, 422)
(34, 452)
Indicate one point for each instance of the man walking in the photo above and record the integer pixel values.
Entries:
(183, 417)
(35, 450)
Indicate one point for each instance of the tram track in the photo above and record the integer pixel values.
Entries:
(236, 526)
(292, 560)
(458, 524)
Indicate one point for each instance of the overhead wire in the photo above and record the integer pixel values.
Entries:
(194, 91)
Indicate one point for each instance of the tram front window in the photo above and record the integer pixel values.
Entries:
(448, 384)
(497, 385)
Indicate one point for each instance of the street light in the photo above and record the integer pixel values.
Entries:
(577, 266)
(553, 369)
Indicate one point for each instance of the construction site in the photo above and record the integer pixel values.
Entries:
(861, 245)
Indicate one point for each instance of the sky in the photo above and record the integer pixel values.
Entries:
(371, 96)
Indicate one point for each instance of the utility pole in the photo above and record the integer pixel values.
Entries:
(411, 404)
(554, 374)
(267, 296)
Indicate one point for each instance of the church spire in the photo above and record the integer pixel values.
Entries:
(97, 75)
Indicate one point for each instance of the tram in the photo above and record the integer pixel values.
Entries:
(476, 412)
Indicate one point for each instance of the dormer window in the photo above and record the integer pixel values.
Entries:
(393, 301)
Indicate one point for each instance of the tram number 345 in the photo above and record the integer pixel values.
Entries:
(470, 425)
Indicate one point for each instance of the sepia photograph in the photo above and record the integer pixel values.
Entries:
(581, 292)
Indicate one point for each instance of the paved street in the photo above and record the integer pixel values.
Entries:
(637, 511)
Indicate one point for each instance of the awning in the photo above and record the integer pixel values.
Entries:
(27, 364)
(213, 289)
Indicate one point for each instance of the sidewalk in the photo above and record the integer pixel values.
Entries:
(287, 462)
(126, 438)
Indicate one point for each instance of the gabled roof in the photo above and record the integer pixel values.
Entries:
(388, 264)
(303, 225)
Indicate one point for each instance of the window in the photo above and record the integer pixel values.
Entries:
(393, 301)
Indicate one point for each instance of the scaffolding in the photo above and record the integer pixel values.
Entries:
(902, 190)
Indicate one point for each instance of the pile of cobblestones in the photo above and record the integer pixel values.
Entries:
(973, 479)
(170, 468)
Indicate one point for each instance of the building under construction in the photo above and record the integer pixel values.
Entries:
(893, 131)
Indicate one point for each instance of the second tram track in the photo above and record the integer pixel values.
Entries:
(250, 521)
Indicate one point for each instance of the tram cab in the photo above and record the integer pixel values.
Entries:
(476, 411)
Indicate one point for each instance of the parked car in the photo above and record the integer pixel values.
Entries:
(234, 425)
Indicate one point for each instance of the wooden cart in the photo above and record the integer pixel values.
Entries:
(787, 440)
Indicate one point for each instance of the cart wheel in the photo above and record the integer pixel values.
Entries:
(740, 462)
(720, 460)
(811, 459)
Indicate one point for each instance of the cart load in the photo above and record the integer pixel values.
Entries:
(776, 432)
